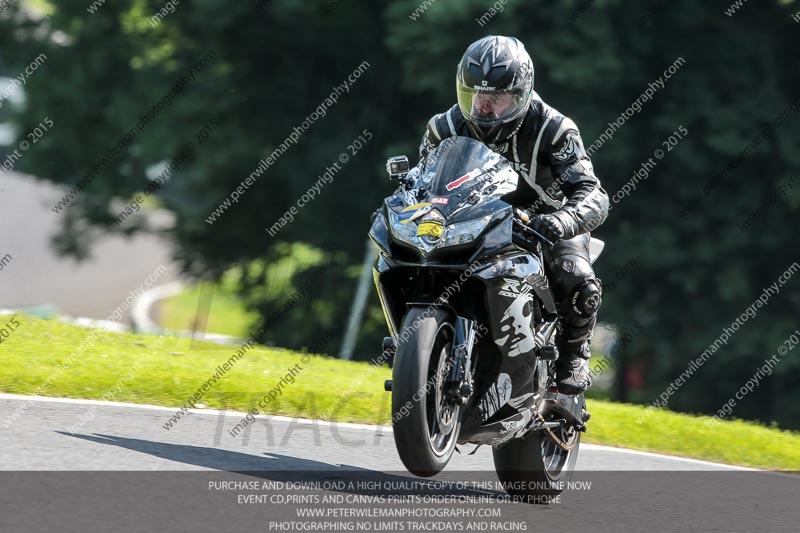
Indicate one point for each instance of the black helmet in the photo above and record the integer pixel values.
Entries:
(495, 86)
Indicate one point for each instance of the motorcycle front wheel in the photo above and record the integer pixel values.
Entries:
(425, 418)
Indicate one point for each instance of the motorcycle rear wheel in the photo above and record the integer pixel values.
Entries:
(536, 468)
(426, 421)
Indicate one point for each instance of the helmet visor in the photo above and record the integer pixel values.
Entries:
(490, 108)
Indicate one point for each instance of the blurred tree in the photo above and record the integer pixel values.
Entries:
(276, 62)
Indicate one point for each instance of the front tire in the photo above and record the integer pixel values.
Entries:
(426, 422)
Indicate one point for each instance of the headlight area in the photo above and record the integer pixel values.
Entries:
(405, 232)
(463, 232)
(454, 234)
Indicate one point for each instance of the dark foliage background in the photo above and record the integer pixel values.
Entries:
(276, 61)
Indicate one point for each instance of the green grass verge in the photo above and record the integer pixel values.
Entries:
(167, 371)
(226, 313)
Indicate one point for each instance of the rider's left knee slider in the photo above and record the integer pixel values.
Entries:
(586, 298)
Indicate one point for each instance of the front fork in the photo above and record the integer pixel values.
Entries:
(460, 382)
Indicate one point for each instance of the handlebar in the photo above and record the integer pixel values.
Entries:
(521, 220)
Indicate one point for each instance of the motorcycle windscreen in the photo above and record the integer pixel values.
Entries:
(459, 166)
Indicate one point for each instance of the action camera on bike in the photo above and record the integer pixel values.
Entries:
(397, 167)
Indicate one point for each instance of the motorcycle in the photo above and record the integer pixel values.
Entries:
(461, 281)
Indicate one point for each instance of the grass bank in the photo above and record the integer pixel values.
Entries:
(167, 371)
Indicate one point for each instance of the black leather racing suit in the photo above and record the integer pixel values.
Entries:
(548, 152)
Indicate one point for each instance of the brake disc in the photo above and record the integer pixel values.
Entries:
(445, 407)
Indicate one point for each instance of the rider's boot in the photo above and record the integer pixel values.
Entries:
(572, 366)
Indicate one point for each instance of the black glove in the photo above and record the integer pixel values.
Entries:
(549, 226)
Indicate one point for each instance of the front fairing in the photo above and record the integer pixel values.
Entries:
(460, 183)
(463, 177)
(455, 201)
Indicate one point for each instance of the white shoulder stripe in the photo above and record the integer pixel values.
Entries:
(566, 124)
(432, 126)
(530, 177)
(534, 156)
(450, 123)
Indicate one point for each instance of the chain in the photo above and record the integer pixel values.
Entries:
(562, 444)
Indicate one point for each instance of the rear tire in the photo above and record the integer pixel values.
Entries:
(535, 469)
(425, 436)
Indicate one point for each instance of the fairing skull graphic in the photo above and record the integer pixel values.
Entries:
(516, 323)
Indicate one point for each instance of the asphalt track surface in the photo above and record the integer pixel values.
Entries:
(73, 465)
(132, 437)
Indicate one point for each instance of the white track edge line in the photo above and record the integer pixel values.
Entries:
(371, 427)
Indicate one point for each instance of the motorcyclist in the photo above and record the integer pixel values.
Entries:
(498, 106)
